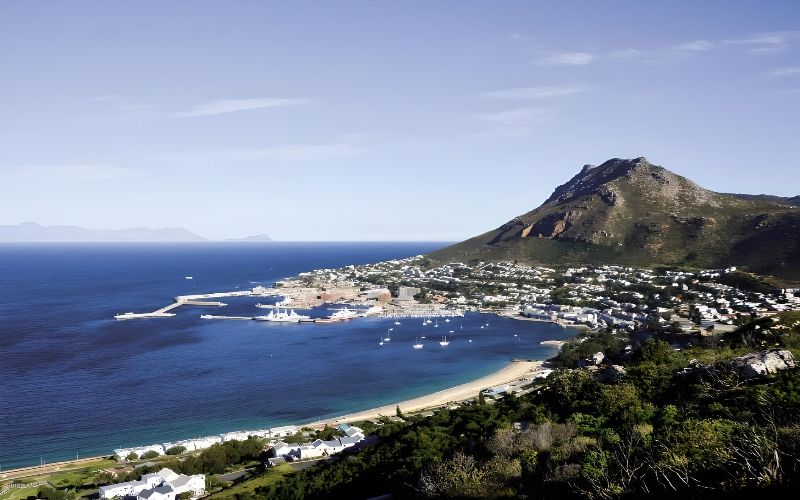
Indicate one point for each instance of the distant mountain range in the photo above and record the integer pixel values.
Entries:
(632, 212)
(30, 232)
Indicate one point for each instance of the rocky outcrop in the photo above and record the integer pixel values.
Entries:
(758, 364)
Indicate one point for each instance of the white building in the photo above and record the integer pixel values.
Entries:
(407, 292)
(162, 485)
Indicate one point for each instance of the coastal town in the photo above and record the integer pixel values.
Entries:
(683, 306)
(596, 297)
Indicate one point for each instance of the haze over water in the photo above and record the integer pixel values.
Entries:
(74, 380)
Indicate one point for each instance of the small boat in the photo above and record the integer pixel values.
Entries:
(470, 340)
(391, 329)
(188, 277)
(418, 345)
(444, 342)
(423, 337)
(437, 324)
(451, 331)
(397, 323)
(380, 342)
(481, 327)
(447, 320)
(388, 336)
(428, 321)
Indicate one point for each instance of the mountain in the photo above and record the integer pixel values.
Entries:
(255, 237)
(30, 232)
(632, 212)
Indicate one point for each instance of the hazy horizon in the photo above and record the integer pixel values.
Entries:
(367, 121)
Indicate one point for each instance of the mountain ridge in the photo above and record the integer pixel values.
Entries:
(31, 232)
(633, 212)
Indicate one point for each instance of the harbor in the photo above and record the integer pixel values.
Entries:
(354, 304)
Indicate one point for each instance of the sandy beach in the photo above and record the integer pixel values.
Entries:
(511, 373)
(515, 371)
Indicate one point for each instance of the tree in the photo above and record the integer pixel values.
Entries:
(176, 450)
(149, 454)
(132, 456)
(481, 398)
(399, 413)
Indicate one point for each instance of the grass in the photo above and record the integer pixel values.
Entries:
(59, 479)
(249, 486)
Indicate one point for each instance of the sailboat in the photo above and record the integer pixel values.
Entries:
(444, 342)
(388, 335)
(418, 345)
(380, 342)
(437, 324)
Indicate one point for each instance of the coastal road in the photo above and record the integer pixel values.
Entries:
(233, 476)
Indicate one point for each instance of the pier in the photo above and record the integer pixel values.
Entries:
(197, 300)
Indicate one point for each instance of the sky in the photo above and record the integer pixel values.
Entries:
(378, 120)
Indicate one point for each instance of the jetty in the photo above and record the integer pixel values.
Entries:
(200, 300)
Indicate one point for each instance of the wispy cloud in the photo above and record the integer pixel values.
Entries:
(773, 41)
(784, 72)
(567, 59)
(535, 92)
(116, 103)
(695, 46)
(74, 172)
(223, 106)
(518, 118)
(294, 152)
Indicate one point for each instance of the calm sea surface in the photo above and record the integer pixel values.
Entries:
(75, 381)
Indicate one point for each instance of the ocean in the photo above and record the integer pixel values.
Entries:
(75, 382)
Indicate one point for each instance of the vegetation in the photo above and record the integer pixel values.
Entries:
(176, 450)
(668, 427)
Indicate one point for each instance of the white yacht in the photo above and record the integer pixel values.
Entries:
(344, 314)
(278, 316)
(444, 342)
(418, 345)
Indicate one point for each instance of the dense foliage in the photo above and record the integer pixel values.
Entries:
(666, 428)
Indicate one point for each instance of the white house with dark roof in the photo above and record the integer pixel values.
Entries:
(162, 485)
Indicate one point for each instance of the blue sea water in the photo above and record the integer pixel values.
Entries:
(75, 381)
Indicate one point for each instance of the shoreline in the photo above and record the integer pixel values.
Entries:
(513, 372)
(509, 374)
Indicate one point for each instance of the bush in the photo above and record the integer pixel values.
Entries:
(176, 450)
(132, 456)
(150, 454)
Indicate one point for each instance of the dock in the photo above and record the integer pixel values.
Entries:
(194, 300)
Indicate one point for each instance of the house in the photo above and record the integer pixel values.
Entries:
(162, 485)
(282, 449)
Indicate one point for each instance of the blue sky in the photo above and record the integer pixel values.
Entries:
(379, 120)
